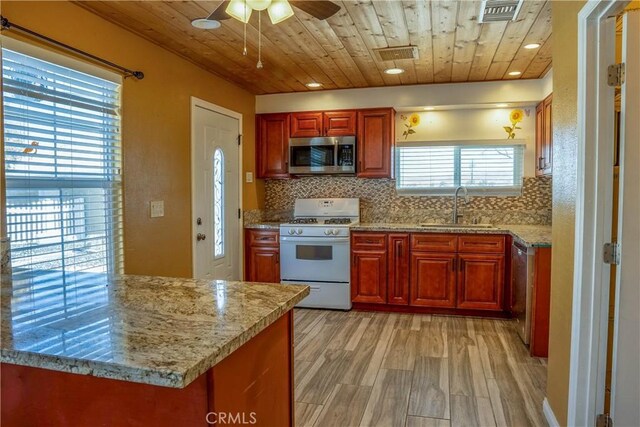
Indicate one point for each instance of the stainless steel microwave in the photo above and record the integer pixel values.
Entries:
(322, 155)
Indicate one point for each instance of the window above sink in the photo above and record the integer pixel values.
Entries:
(487, 167)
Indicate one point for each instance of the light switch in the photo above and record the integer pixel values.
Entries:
(249, 177)
(157, 208)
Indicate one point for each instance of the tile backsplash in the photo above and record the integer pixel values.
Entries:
(379, 202)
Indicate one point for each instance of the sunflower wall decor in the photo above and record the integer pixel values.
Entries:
(412, 121)
(515, 117)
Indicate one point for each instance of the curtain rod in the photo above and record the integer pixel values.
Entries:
(6, 25)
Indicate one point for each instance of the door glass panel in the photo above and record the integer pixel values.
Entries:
(314, 252)
(218, 204)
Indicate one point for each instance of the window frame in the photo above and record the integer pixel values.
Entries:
(499, 191)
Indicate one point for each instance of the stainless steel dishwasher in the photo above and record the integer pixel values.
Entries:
(522, 268)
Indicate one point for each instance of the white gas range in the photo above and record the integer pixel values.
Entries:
(315, 250)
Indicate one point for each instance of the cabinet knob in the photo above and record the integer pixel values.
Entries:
(200, 237)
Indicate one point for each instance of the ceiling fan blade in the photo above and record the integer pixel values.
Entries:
(220, 13)
(320, 9)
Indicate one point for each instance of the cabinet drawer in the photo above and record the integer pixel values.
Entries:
(263, 238)
(369, 241)
(429, 242)
(481, 244)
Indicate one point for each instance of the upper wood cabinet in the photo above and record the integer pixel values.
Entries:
(339, 123)
(544, 137)
(327, 123)
(272, 145)
(375, 138)
(307, 124)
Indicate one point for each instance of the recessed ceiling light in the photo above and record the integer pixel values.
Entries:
(206, 24)
(393, 71)
(532, 46)
(314, 85)
(502, 105)
(515, 73)
(429, 108)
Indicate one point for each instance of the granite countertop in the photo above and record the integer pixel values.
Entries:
(527, 235)
(152, 330)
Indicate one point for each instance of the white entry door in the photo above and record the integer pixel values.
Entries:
(216, 195)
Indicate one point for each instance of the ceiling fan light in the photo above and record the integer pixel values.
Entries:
(258, 4)
(279, 10)
(240, 10)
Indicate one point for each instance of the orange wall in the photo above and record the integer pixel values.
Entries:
(565, 146)
(155, 129)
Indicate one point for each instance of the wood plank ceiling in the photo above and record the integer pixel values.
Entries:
(339, 52)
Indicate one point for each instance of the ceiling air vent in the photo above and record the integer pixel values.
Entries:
(499, 10)
(397, 53)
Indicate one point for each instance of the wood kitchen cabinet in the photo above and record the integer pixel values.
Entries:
(262, 256)
(544, 137)
(272, 145)
(323, 123)
(369, 268)
(375, 139)
(398, 274)
(452, 273)
(480, 281)
(433, 279)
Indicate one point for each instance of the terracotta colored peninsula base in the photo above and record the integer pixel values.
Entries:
(252, 386)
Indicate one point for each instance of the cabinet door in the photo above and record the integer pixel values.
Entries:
(540, 139)
(272, 150)
(339, 123)
(547, 151)
(264, 264)
(480, 281)
(398, 258)
(375, 143)
(433, 279)
(306, 124)
(369, 276)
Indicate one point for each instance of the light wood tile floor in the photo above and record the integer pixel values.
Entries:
(413, 370)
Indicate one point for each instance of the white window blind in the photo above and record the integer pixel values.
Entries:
(62, 163)
(484, 167)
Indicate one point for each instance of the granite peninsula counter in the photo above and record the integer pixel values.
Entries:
(139, 336)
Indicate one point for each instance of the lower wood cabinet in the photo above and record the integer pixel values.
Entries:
(262, 256)
(480, 281)
(433, 279)
(429, 270)
(369, 276)
(398, 274)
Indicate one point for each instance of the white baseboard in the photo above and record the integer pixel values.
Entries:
(549, 415)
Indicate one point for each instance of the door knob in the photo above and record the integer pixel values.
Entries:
(200, 236)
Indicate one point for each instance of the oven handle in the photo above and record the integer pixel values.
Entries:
(311, 240)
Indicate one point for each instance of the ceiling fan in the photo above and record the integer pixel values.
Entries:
(278, 11)
(319, 9)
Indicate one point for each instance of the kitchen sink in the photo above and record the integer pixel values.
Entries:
(434, 225)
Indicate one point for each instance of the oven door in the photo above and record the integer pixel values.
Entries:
(315, 259)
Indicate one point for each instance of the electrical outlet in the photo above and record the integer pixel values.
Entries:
(249, 177)
(157, 208)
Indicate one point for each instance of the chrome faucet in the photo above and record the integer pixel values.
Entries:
(457, 216)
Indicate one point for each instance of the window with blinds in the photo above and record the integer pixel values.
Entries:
(62, 163)
(439, 168)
